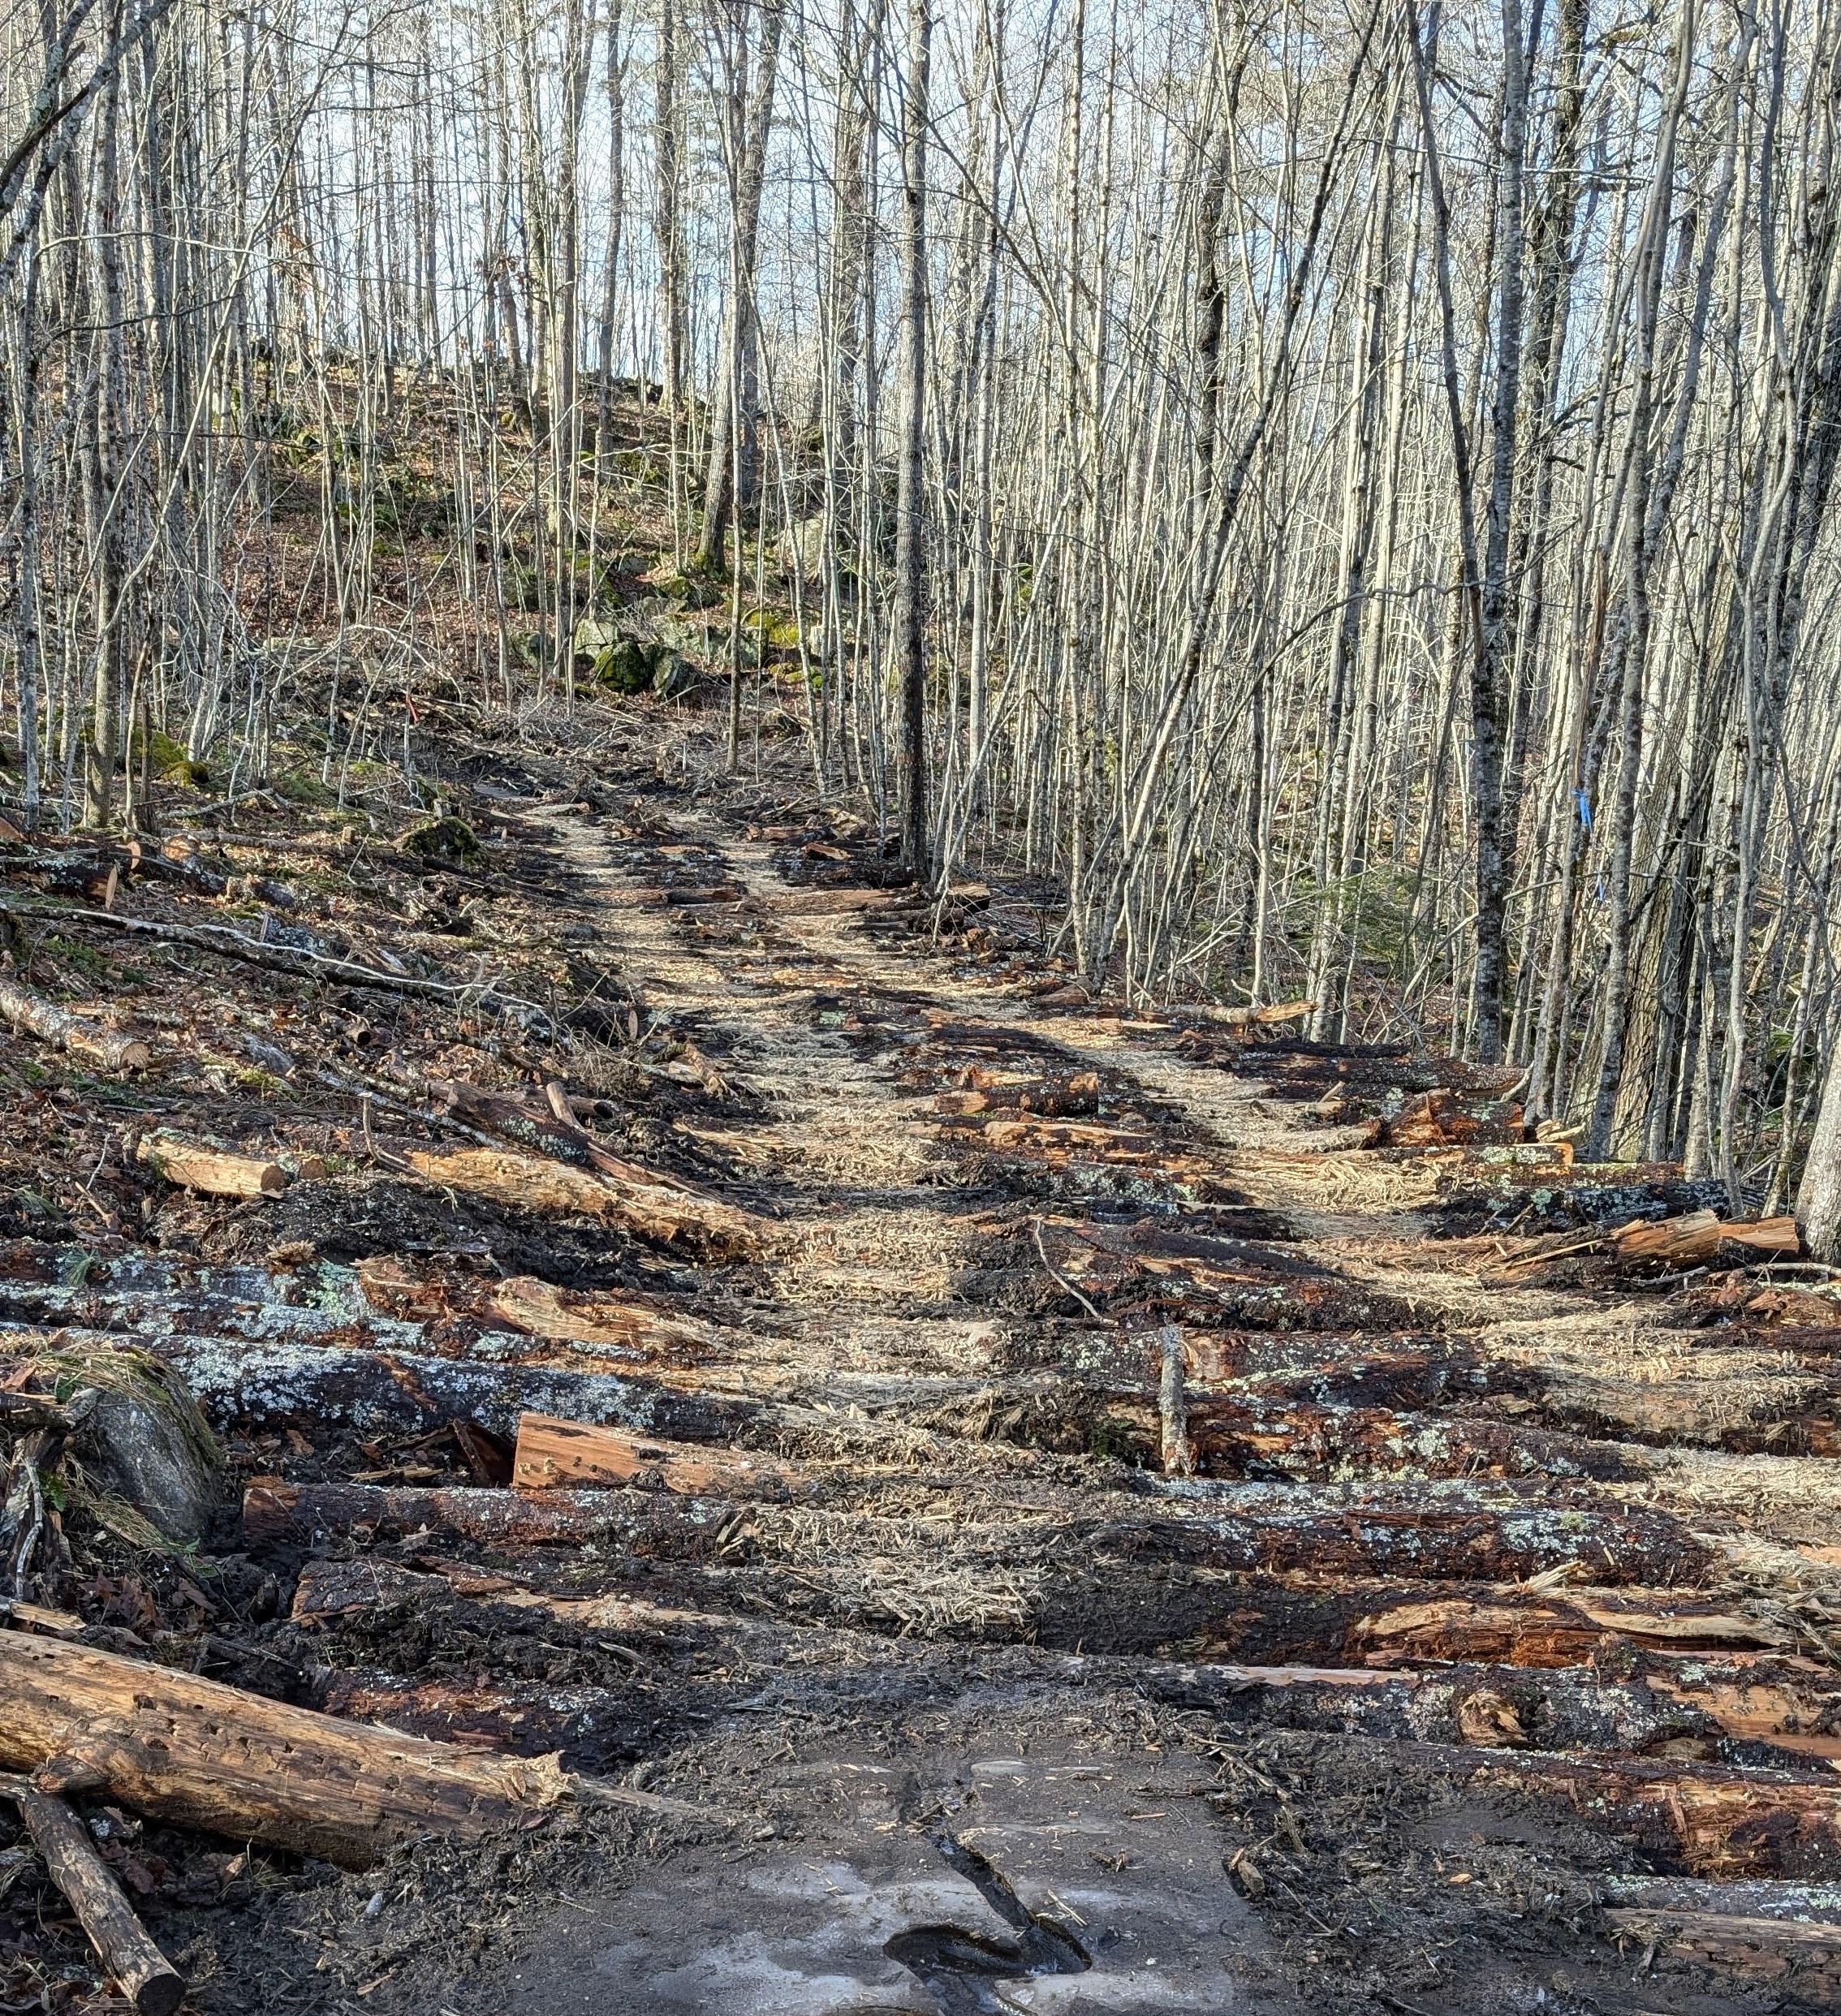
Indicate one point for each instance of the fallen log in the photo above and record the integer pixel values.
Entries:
(979, 1092)
(321, 1385)
(1677, 1245)
(81, 1038)
(649, 1207)
(212, 1171)
(1522, 1627)
(144, 1974)
(632, 1323)
(1250, 1532)
(642, 1523)
(300, 963)
(1698, 1819)
(1804, 1959)
(551, 1452)
(193, 1753)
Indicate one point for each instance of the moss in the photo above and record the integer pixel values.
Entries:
(448, 840)
(168, 761)
(302, 787)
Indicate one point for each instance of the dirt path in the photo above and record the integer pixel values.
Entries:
(1104, 1807)
(1121, 1544)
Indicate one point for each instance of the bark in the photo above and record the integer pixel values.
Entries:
(1818, 1195)
(86, 1040)
(910, 619)
(144, 1975)
(189, 1752)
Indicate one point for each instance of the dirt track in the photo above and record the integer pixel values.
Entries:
(972, 1700)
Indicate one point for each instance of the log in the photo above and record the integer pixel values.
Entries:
(1521, 1627)
(1254, 1532)
(320, 1385)
(145, 1977)
(215, 1172)
(638, 1324)
(1805, 1959)
(1695, 1237)
(640, 1202)
(1058, 1098)
(192, 1752)
(551, 1452)
(75, 1034)
(301, 962)
(1699, 1819)
(640, 1522)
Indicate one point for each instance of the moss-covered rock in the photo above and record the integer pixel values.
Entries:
(446, 842)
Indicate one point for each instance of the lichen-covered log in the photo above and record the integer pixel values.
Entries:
(88, 1041)
(322, 1385)
(192, 1752)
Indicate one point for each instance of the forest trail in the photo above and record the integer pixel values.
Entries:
(911, 1292)
(1073, 1507)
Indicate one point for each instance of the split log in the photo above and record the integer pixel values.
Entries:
(1268, 1014)
(81, 1038)
(193, 1753)
(1523, 1627)
(641, 1202)
(1437, 1119)
(552, 1453)
(638, 1324)
(213, 1171)
(145, 1977)
(1694, 1238)
(979, 1092)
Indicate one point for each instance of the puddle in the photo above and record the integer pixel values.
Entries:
(959, 1968)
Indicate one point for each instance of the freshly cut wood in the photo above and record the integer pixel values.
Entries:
(144, 1974)
(640, 1202)
(81, 1038)
(1267, 1015)
(552, 1453)
(1077, 1136)
(214, 1171)
(1440, 1119)
(194, 1753)
(1770, 1238)
(634, 1323)
(1690, 1240)
(1057, 1098)
(1693, 1238)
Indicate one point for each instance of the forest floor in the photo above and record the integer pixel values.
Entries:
(1123, 1533)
